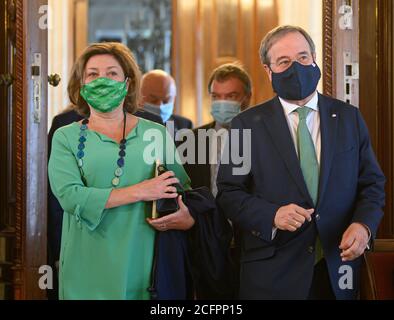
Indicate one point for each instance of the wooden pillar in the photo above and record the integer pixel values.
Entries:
(208, 33)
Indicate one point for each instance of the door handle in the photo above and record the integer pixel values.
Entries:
(54, 79)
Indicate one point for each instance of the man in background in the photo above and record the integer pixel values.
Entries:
(230, 89)
(158, 91)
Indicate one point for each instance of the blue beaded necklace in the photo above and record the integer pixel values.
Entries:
(122, 152)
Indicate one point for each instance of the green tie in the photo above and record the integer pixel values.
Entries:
(309, 165)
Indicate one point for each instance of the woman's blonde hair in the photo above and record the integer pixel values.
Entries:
(126, 60)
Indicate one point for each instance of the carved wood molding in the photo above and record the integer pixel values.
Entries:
(328, 66)
(385, 115)
(19, 278)
(11, 11)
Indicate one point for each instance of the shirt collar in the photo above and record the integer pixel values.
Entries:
(290, 107)
(218, 126)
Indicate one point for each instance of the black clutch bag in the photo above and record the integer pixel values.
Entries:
(167, 205)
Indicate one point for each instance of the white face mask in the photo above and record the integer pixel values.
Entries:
(164, 110)
(223, 111)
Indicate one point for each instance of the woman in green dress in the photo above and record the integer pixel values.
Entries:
(102, 171)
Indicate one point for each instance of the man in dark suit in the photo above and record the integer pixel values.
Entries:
(313, 197)
(158, 92)
(55, 211)
(230, 89)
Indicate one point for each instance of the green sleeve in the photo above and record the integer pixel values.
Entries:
(85, 203)
(173, 163)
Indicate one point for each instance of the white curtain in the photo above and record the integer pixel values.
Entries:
(60, 53)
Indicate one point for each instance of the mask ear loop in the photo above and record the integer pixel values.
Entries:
(244, 98)
(240, 103)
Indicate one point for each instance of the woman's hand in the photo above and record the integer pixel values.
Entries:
(179, 220)
(156, 188)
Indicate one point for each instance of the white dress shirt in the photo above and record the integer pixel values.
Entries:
(312, 122)
(216, 150)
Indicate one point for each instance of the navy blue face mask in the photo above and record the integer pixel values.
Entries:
(297, 82)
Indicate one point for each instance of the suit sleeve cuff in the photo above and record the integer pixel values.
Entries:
(369, 236)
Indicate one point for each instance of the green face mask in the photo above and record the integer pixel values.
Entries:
(104, 94)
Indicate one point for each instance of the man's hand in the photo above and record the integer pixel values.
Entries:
(354, 241)
(292, 217)
(180, 220)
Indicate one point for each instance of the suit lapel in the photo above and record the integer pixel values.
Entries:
(279, 131)
(203, 171)
(329, 115)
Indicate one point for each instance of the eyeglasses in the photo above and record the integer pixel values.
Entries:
(285, 63)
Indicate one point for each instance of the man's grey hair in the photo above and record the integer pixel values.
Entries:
(274, 35)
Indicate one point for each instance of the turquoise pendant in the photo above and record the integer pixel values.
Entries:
(81, 147)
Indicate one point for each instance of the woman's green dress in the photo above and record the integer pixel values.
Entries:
(107, 253)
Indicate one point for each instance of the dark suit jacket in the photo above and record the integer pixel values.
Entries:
(197, 258)
(148, 115)
(200, 174)
(351, 189)
(181, 122)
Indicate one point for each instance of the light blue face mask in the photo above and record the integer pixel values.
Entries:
(223, 111)
(164, 111)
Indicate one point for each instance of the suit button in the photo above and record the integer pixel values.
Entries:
(255, 233)
(311, 249)
(317, 217)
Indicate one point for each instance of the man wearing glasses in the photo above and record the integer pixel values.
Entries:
(313, 198)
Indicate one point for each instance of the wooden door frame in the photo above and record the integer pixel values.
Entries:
(328, 61)
(31, 154)
(377, 92)
(375, 50)
(335, 42)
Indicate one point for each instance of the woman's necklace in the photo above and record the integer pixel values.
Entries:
(122, 152)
